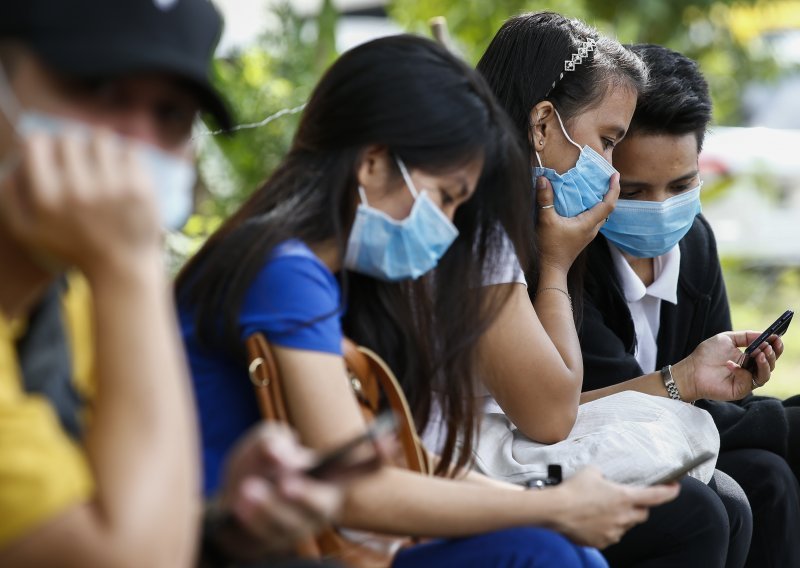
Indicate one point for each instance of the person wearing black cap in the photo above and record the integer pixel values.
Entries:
(98, 456)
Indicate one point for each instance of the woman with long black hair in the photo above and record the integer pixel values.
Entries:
(402, 162)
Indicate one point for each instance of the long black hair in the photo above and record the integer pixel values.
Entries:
(524, 65)
(435, 113)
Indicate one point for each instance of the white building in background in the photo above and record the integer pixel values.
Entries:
(361, 20)
(757, 217)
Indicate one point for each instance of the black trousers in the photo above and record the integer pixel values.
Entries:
(774, 495)
(707, 526)
(792, 409)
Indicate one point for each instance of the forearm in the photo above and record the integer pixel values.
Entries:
(553, 305)
(436, 507)
(526, 373)
(651, 384)
(141, 444)
(472, 476)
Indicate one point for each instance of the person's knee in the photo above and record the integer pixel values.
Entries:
(765, 477)
(704, 515)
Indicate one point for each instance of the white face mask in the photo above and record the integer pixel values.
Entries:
(172, 179)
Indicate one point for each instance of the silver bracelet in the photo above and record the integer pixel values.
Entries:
(669, 383)
(560, 290)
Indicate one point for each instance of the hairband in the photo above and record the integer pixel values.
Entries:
(576, 59)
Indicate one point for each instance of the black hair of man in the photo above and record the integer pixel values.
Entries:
(676, 100)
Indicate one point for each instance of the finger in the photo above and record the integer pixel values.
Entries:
(106, 156)
(772, 358)
(14, 210)
(616, 535)
(72, 154)
(652, 496)
(320, 502)
(613, 191)
(638, 516)
(598, 214)
(777, 346)
(137, 176)
(264, 515)
(39, 175)
(280, 451)
(743, 338)
(545, 198)
(763, 371)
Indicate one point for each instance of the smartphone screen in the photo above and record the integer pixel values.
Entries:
(778, 327)
(677, 473)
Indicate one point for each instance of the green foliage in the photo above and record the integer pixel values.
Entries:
(276, 74)
(698, 28)
(757, 297)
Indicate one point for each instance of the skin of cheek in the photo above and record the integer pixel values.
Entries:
(660, 162)
(589, 128)
(38, 88)
(398, 201)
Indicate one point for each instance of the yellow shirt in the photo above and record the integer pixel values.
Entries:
(42, 471)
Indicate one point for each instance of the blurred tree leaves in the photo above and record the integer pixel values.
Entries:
(276, 74)
(280, 71)
(699, 28)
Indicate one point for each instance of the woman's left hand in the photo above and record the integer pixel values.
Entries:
(711, 370)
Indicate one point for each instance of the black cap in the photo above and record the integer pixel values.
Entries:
(103, 38)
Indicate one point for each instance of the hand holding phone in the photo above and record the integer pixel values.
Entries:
(677, 473)
(777, 328)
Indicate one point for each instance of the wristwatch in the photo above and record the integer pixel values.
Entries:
(669, 383)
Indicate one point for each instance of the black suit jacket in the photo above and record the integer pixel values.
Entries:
(608, 338)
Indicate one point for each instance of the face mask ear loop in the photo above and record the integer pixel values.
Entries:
(564, 130)
(363, 195)
(407, 178)
(535, 153)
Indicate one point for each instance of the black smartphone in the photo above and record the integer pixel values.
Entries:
(554, 477)
(358, 456)
(677, 473)
(778, 327)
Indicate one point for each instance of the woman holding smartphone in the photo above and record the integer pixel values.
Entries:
(402, 161)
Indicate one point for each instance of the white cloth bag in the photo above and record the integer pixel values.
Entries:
(631, 437)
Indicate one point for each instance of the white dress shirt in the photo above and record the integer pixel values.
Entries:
(644, 302)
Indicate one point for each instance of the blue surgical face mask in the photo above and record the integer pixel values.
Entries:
(172, 179)
(647, 229)
(581, 187)
(388, 249)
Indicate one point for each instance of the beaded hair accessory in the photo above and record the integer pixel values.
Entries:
(576, 59)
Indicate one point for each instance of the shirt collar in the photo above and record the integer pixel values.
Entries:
(666, 267)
